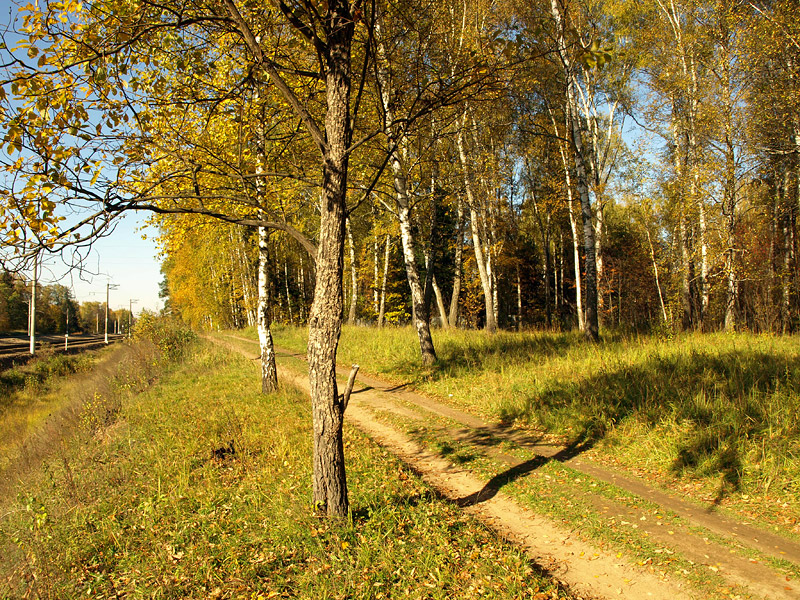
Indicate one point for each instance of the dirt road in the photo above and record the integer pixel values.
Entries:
(587, 569)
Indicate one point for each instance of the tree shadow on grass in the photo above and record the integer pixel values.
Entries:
(496, 483)
(720, 403)
(456, 357)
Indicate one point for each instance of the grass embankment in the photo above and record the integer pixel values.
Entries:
(713, 414)
(39, 404)
(143, 507)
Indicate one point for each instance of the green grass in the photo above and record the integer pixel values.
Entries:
(714, 414)
(558, 491)
(30, 396)
(141, 508)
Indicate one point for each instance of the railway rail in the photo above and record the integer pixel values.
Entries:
(16, 349)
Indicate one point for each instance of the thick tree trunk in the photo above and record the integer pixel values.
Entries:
(325, 319)
(269, 372)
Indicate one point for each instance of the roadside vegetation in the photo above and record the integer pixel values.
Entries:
(712, 415)
(197, 485)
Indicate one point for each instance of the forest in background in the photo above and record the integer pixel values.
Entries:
(55, 305)
(486, 193)
(474, 152)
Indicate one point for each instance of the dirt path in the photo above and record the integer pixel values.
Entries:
(577, 563)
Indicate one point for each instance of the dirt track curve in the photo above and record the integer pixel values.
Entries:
(588, 570)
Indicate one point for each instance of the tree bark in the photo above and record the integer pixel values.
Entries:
(269, 372)
(655, 274)
(482, 255)
(351, 317)
(573, 226)
(592, 330)
(396, 141)
(382, 310)
(325, 319)
(457, 260)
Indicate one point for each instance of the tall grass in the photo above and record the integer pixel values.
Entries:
(715, 408)
(55, 396)
(201, 489)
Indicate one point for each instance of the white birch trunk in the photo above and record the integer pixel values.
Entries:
(457, 260)
(351, 318)
(482, 257)
(396, 140)
(382, 308)
(269, 373)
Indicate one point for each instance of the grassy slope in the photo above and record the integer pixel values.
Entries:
(712, 414)
(140, 508)
(29, 400)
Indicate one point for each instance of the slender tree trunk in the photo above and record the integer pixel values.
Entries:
(482, 258)
(351, 318)
(269, 372)
(375, 287)
(576, 248)
(655, 274)
(382, 309)
(704, 288)
(457, 260)
(303, 298)
(375, 259)
(519, 299)
(686, 275)
(786, 275)
(599, 226)
(560, 278)
(396, 141)
(286, 282)
(592, 330)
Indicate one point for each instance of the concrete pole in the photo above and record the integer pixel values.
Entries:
(107, 287)
(32, 306)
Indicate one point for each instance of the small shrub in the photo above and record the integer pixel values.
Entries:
(169, 335)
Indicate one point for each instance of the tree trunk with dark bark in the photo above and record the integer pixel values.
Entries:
(325, 319)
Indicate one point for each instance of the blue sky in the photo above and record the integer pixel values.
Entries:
(124, 259)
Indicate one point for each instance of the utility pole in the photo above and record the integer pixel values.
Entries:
(32, 305)
(109, 286)
(66, 331)
(130, 315)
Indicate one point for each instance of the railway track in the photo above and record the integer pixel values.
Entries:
(16, 349)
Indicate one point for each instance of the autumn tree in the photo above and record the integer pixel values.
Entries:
(87, 101)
